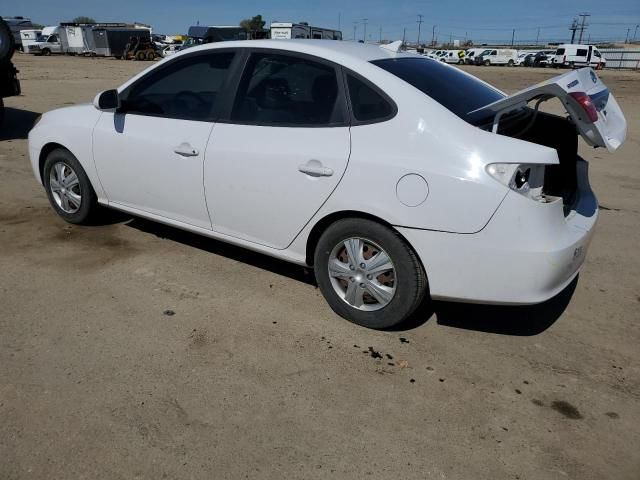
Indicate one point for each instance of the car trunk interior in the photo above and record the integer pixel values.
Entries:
(551, 131)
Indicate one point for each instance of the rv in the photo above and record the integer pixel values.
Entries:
(199, 35)
(29, 37)
(17, 24)
(285, 31)
(571, 55)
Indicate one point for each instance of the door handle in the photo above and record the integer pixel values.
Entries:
(186, 150)
(314, 168)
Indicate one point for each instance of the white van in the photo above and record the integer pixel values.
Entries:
(572, 55)
(48, 42)
(453, 56)
(505, 56)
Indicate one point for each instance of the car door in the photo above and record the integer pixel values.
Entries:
(150, 153)
(282, 151)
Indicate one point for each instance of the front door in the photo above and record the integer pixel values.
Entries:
(281, 153)
(150, 155)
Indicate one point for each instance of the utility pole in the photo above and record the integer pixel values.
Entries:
(419, 26)
(339, 20)
(355, 27)
(404, 35)
(364, 36)
(634, 33)
(583, 25)
(573, 28)
(513, 36)
(380, 39)
(626, 40)
(433, 36)
(538, 36)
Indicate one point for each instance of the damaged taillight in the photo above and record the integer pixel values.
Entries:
(525, 179)
(587, 105)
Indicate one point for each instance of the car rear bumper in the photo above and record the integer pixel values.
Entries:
(527, 253)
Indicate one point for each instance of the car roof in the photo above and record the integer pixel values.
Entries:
(339, 51)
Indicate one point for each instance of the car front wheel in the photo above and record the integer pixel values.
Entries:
(368, 274)
(68, 187)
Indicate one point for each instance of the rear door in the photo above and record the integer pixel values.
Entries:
(588, 101)
(282, 150)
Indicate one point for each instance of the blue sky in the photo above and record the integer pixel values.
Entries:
(479, 21)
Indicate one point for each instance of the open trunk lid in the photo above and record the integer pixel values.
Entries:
(592, 107)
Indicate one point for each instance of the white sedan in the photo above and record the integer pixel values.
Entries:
(395, 176)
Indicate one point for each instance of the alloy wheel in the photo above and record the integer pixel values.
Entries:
(65, 187)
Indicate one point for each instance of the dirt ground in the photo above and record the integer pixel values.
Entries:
(133, 350)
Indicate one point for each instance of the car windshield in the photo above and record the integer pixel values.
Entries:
(453, 89)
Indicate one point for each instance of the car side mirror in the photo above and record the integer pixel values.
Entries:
(107, 101)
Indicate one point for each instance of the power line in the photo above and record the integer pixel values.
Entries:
(364, 37)
(583, 25)
(419, 26)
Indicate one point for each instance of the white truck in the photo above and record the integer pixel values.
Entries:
(502, 56)
(48, 42)
(573, 55)
(287, 30)
(453, 56)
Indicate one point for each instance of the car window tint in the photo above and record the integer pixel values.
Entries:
(287, 90)
(186, 89)
(367, 104)
(453, 89)
(581, 52)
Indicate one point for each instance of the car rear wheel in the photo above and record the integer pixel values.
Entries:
(510, 64)
(68, 187)
(368, 274)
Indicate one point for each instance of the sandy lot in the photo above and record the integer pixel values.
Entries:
(255, 377)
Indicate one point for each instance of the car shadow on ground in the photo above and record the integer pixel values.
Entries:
(495, 319)
(259, 260)
(17, 123)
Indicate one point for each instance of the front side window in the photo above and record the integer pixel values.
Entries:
(53, 39)
(597, 53)
(186, 89)
(456, 91)
(286, 90)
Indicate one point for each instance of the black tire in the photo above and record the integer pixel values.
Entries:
(510, 63)
(88, 205)
(410, 278)
(141, 56)
(487, 63)
(7, 42)
(46, 52)
(151, 56)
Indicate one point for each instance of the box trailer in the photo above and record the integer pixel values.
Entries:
(111, 42)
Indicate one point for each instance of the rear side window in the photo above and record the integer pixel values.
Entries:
(582, 52)
(450, 87)
(287, 90)
(366, 103)
(186, 89)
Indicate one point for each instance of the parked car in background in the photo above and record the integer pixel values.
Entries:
(470, 55)
(501, 56)
(308, 151)
(572, 55)
(540, 59)
(521, 57)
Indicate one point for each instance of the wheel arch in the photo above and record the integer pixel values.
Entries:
(324, 223)
(44, 153)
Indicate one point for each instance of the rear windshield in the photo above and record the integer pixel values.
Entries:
(560, 51)
(448, 86)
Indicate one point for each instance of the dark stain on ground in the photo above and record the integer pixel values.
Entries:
(612, 415)
(356, 346)
(566, 409)
(403, 340)
(441, 379)
(374, 354)
(413, 380)
(537, 402)
(519, 392)
(198, 338)
(389, 356)
(608, 209)
(169, 313)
